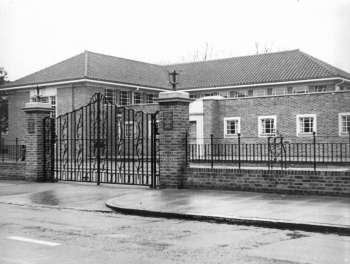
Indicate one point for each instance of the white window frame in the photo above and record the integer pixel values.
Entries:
(112, 97)
(340, 115)
(150, 98)
(260, 132)
(225, 126)
(140, 99)
(128, 97)
(314, 127)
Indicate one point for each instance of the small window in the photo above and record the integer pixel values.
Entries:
(344, 124)
(223, 94)
(289, 90)
(44, 99)
(242, 94)
(149, 98)
(109, 95)
(250, 92)
(232, 126)
(269, 91)
(233, 94)
(267, 126)
(137, 98)
(259, 92)
(320, 88)
(211, 94)
(301, 90)
(125, 98)
(236, 94)
(306, 124)
(53, 101)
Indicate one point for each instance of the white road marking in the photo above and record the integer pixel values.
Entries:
(30, 240)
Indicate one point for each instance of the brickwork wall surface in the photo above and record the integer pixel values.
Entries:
(16, 101)
(326, 106)
(293, 182)
(146, 108)
(12, 171)
(172, 144)
(35, 147)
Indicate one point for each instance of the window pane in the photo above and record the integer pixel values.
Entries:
(269, 91)
(109, 95)
(150, 98)
(44, 99)
(268, 126)
(232, 127)
(345, 123)
(53, 100)
(306, 124)
(137, 98)
(125, 98)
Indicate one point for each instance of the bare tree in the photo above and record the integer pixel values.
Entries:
(266, 48)
(256, 47)
(3, 103)
(203, 55)
(3, 75)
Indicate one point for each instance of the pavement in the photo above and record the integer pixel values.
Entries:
(293, 212)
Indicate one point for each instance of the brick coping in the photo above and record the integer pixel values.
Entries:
(265, 170)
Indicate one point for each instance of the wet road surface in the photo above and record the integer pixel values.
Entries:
(91, 237)
(31, 232)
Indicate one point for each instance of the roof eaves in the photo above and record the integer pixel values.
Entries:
(251, 84)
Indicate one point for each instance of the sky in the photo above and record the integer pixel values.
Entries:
(35, 34)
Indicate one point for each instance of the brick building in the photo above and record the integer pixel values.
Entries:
(288, 93)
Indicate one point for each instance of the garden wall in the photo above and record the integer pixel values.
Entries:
(335, 183)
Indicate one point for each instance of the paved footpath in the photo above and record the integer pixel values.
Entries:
(300, 212)
(309, 213)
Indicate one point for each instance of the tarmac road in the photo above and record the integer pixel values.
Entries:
(35, 233)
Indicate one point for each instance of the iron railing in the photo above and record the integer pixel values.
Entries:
(12, 150)
(272, 151)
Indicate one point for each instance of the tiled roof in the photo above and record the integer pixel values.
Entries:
(115, 69)
(99, 67)
(68, 69)
(263, 68)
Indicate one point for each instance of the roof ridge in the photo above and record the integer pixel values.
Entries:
(230, 58)
(86, 63)
(115, 57)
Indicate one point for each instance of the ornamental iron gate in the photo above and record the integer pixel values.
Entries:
(102, 143)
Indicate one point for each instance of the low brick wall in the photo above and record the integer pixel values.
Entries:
(12, 170)
(294, 182)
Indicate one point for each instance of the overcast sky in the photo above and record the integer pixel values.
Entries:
(37, 33)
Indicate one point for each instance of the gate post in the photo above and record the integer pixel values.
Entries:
(35, 112)
(173, 126)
